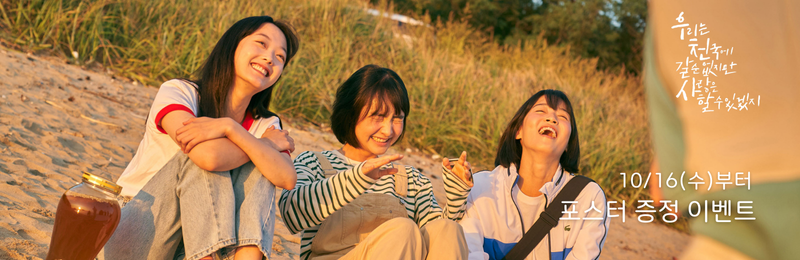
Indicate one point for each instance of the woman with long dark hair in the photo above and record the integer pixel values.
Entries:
(202, 182)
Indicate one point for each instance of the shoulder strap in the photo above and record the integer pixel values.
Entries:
(548, 219)
(400, 180)
(327, 168)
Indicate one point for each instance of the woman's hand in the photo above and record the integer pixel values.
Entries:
(372, 167)
(280, 139)
(460, 168)
(201, 129)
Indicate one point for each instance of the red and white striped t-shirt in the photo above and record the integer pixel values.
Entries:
(157, 147)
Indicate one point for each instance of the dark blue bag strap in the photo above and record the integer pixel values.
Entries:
(548, 219)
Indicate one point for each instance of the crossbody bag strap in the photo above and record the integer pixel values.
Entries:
(548, 219)
(325, 164)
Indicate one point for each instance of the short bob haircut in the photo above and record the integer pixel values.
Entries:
(509, 150)
(215, 77)
(355, 98)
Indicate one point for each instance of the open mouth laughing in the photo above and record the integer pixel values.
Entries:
(548, 131)
(380, 140)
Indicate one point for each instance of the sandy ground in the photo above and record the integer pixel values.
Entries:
(57, 120)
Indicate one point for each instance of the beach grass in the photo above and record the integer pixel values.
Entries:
(463, 86)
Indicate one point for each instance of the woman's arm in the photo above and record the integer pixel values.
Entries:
(592, 234)
(277, 167)
(457, 184)
(227, 146)
(315, 197)
(456, 191)
(426, 208)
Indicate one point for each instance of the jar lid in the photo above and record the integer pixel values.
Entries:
(97, 180)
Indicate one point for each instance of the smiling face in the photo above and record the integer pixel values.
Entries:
(378, 128)
(260, 58)
(545, 130)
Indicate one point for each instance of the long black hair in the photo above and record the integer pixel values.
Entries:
(509, 151)
(215, 78)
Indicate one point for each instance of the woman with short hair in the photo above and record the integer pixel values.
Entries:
(353, 203)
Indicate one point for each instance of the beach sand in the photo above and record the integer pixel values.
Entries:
(57, 120)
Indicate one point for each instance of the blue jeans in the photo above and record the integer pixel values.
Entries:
(206, 211)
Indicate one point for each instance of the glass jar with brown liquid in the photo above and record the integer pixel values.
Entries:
(87, 215)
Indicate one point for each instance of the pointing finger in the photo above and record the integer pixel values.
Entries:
(380, 161)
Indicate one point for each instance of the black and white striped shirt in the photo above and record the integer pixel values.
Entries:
(314, 197)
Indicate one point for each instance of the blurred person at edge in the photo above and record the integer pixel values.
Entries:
(762, 140)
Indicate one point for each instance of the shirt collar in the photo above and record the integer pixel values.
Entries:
(548, 188)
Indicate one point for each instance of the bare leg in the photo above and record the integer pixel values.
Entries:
(248, 253)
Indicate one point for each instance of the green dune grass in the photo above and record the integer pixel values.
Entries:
(463, 86)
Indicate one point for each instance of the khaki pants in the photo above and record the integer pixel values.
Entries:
(400, 238)
(377, 226)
